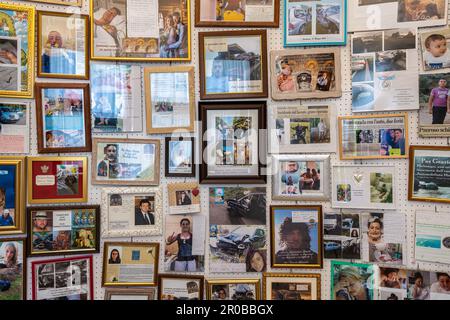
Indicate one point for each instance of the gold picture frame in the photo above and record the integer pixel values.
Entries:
(210, 283)
(312, 278)
(72, 3)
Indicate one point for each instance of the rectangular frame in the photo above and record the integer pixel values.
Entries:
(78, 3)
(299, 276)
(24, 265)
(150, 293)
(161, 278)
(210, 282)
(167, 157)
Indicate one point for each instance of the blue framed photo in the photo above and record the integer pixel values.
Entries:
(315, 23)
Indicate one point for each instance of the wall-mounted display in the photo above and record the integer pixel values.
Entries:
(233, 289)
(341, 236)
(13, 271)
(15, 126)
(433, 45)
(291, 286)
(180, 287)
(130, 293)
(352, 281)
(180, 159)
(183, 197)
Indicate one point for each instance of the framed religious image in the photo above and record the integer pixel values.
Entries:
(302, 129)
(180, 159)
(435, 54)
(130, 264)
(12, 195)
(301, 177)
(233, 289)
(63, 230)
(63, 115)
(63, 279)
(233, 64)
(125, 161)
(16, 50)
(296, 236)
(352, 281)
(130, 293)
(241, 13)
(183, 197)
(14, 126)
(180, 287)
(131, 211)
(291, 286)
(373, 137)
(305, 73)
(169, 98)
(429, 173)
(63, 45)
(13, 269)
(232, 145)
(72, 3)
(315, 23)
(57, 179)
(140, 30)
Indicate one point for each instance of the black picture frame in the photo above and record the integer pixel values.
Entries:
(167, 172)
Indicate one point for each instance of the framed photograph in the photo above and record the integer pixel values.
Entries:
(13, 271)
(233, 289)
(168, 112)
(342, 236)
(232, 143)
(233, 64)
(435, 55)
(140, 31)
(296, 236)
(305, 73)
(228, 13)
(125, 161)
(315, 23)
(180, 287)
(428, 173)
(301, 177)
(16, 51)
(180, 159)
(183, 197)
(302, 129)
(384, 136)
(63, 230)
(352, 281)
(72, 3)
(364, 187)
(12, 195)
(57, 179)
(14, 126)
(131, 211)
(130, 264)
(291, 286)
(63, 116)
(63, 45)
(130, 293)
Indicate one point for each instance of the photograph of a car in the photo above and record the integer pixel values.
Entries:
(236, 242)
(9, 115)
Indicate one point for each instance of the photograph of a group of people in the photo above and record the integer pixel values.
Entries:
(234, 291)
(374, 142)
(299, 177)
(304, 131)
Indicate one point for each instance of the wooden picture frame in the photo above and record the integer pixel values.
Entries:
(239, 21)
(172, 165)
(42, 179)
(218, 86)
(310, 280)
(225, 284)
(116, 253)
(115, 172)
(197, 289)
(53, 139)
(251, 172)
(131, 293)
(12, 222)
(77, 226)
(163, 77)
(60, 67)
(11, 272)
(19, 67)
(308, 219)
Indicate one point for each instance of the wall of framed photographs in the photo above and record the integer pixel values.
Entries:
(343, 107)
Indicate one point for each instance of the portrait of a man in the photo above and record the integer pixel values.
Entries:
(143, 215)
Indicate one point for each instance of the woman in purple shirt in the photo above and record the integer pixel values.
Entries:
(438, 104)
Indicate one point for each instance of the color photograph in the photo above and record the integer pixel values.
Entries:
(351, 281)
(12, 269)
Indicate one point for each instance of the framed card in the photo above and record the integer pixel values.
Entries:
(428, 173)
(305, 73)
(302, 129)
(57, 179)
(131, 211)
(63, 116)
(352, 281)
(233, 289)
(130, 264)
(168, 112)
(364, 187)
(125, 161)
(291, 286)
(315, 23)
(140, 31)
(12, 195)
(227, 13)
(232, 143)
(130, 293)
(373, 137)
(63, 279)
(63, 230)
(15, 126)
(183, 197)
(17, 51)
(233, 64)
(180, 287)
(296, 236)
(63, 45)
(300, 177)
(180, 159)
(72, 3)
(13, 272)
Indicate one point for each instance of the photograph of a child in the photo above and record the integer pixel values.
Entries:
(435, 52)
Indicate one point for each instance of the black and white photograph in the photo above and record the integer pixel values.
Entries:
(367, 42)
(396, 39)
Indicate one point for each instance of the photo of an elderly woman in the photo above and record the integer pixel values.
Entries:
(350, 283)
